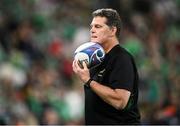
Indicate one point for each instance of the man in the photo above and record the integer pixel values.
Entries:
(111, 89)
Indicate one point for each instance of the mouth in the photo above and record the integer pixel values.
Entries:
(93, 36)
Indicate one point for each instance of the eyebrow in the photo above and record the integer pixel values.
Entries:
(95, 25)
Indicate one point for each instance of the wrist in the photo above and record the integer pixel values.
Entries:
(87, 84)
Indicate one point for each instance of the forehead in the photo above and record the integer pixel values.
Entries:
(99, 20)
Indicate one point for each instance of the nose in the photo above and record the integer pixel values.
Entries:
(92, 30)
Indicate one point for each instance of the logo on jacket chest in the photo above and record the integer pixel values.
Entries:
(101, 73)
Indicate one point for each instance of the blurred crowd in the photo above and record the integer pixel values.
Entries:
(37, 41)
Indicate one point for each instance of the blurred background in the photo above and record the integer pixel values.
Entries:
(37, 41)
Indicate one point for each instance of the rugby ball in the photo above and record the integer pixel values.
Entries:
(91, 53)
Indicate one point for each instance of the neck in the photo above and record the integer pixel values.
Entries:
(109, 45)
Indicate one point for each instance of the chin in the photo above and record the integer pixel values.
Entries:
(94, 40)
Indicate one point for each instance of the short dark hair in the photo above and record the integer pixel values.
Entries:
(112, 16)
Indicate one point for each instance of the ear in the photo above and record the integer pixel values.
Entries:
(113, 31)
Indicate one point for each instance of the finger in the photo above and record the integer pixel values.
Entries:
(73, 64)
(77, 65)
(74, 67)
(84, 65)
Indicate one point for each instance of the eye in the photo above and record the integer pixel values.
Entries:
(98, 26)
(95, 26)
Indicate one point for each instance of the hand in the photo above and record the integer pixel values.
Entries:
(83, 73)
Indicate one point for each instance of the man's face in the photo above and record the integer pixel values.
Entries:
(100, 32)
